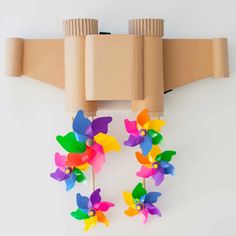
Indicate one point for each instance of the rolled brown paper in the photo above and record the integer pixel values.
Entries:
(14, 57)
(74, 50)
(152, 65)
(220, 64)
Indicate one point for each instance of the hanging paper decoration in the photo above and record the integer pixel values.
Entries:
(145, 132)
(140, 202)
(86, 145)
(91, 209)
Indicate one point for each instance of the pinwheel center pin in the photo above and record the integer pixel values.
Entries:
(143, 132)
(68, 170)
(92, 212)
(90, 142)
(155, 165)
(139, 206)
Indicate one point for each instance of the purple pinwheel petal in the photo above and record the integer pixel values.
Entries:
(133, 141)
(59, 175)
(95, 196)
(158, 176)
(70, 182)
(80, 123)
(82, 201)
(98, 125)
(146, 145)
(152, 209)
(151, 197)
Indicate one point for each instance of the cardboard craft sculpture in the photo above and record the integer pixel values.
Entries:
(139, 66)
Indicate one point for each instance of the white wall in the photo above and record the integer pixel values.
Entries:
(199, 200)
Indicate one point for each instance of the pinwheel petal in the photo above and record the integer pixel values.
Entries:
(83, 167)
(152, 209)
(98, 125)
(153, 153)
(155, 136)
(169, 169)
(82, 201)
(155, 125)
(80, 177)
(90, 222)
(141, 158)
(70, 182)
(138, 191)
(103, 206)
(131, 212)
(102, 218)
(109, 143)
(81, 138)
(97, 162)
(59, 175)
(143, 117)
(95, 196)
(133, 141)
(145, 172)
(60, 160)
(80, 123)
(144, 216)
(158, 176)
(146, 145)
(151, 197)
(128, 198)
(79, 215)
(131, 127)
(165, 156)
(70, 144)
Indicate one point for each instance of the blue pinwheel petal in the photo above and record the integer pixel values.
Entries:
(146, 145)
(142, 199)
(82, 201)
(133, 141)
(164, 164)
(70, 182)
(80, 123)
(95, 196)
(81, 138)
(98, 125)
(169, 170)
(152, 197)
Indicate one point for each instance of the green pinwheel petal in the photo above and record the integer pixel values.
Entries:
(138, 191)
(79, 215)
(165, 156)
(80, 177)
(156, 137)
(70, 144)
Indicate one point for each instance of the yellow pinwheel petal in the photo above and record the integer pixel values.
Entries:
(109, 143)
(131, 212)
(154, 124)
(102, 218)
(153, 153)
(128, 198)
(88, 223)
(83, 167)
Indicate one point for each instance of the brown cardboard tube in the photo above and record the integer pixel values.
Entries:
(152, 29)
(14, 57)
(74, 51)
(220, 65)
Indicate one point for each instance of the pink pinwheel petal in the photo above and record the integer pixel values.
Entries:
(97, 162)
(145, 172)
(131, 127)
(60, 160)
(103, 206)
(97, 148)
(144, 216)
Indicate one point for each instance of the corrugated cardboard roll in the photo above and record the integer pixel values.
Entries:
(74, 51)
(152, 65)
(14, 57)
(220, 65)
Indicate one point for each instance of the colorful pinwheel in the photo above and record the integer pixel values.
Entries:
(141, 202)
(91, 209)
(144, 132)
(155, 166)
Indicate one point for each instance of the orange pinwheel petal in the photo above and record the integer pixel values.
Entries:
(143, 117)
(102, 218)
(142, 159)
(131, 212)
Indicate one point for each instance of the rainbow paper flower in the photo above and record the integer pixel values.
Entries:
(140, 202)
(144, 132)
(70, 175)
(155, 166)
(91, 209)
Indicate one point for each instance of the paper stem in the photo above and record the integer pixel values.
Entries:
(93, 174)
(144, 183)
